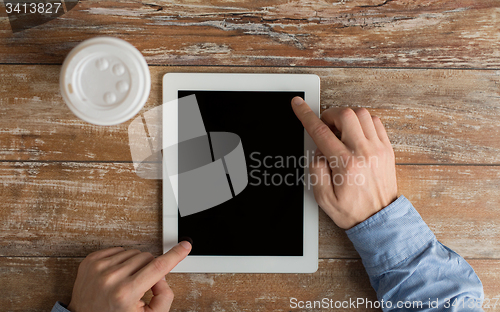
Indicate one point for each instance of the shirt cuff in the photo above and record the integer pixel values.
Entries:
(59, 307)
(390, 236)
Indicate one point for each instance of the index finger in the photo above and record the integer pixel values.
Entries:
(321, 134)
(149, 275)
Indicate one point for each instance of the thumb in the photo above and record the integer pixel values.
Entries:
(163, 296)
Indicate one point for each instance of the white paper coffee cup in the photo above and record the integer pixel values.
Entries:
(105, 81)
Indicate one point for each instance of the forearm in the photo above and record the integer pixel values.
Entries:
(406, 263)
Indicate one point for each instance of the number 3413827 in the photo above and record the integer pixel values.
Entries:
(486, 303)
(33, 8)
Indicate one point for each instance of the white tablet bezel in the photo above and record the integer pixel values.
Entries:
(308, 263)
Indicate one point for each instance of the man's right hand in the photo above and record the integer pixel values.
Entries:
(356, 174)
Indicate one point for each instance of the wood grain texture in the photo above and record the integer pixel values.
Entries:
(432, 116)
(68, 188)
(401, 33)
(51, 279)
(72, 209)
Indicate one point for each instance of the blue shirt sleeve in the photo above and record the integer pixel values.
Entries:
(59, 307)
(408, 266)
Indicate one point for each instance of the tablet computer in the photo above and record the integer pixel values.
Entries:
(235, 172)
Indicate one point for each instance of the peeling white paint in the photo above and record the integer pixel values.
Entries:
(206, 48)
(247, 28)
(202, 279)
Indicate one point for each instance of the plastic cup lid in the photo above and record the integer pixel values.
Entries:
(105, 81)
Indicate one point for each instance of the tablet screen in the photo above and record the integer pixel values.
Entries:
(267, 217)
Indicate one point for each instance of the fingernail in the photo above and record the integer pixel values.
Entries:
(185, 244)
(297, 100)
(163, 278)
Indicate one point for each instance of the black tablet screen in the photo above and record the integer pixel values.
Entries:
(267, 217)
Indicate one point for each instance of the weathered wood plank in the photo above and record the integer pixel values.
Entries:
(39, 282)
(432, 116)
(51, 279)
(72, 209)
(460, 204)
(421, 33)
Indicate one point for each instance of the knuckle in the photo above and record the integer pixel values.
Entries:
(85, 262)
(362, 112)
(320, 130)
(325, 113)
(159, 265)
(315, 166)
(169, 294)
(148, 255)
(381, 149)
(367, 150)
(97, 254)
(91, 257)
(83, 266)
(345, 157)
(386, 150)
(381, 154)
(346, 113)
(318, 163)
(97, 266)
(121, 293)
(105, 280)
(322, 197)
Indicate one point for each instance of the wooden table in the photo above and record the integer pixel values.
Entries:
(429, 68)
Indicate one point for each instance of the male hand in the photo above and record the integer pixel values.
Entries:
(356, 174)
(116, 279)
